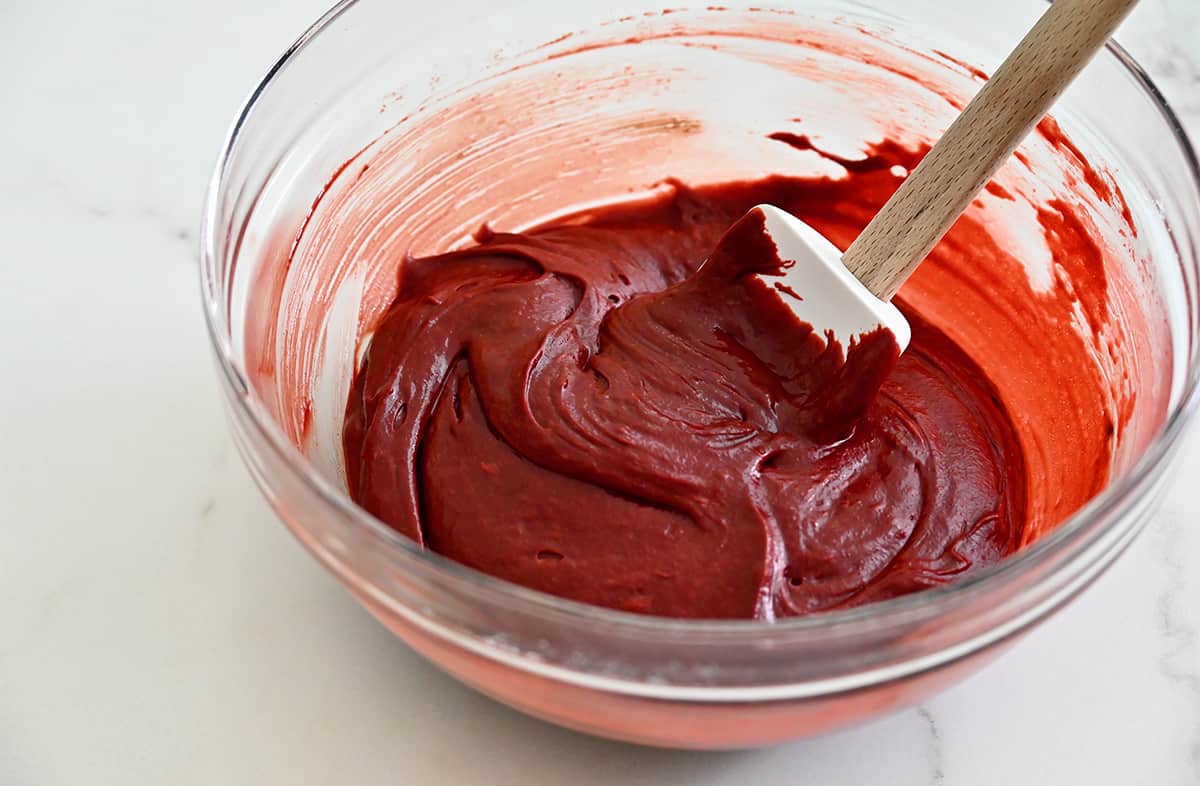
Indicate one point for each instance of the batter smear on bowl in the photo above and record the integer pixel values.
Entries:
(586, 409)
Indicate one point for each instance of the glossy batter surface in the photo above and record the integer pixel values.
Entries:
(586, 410)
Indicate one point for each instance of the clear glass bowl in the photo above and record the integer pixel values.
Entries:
(370, 77)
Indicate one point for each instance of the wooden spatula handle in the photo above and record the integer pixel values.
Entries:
(980, 140)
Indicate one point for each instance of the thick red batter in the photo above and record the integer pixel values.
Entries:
(585, 410)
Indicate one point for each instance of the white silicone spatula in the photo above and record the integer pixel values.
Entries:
(849, 294)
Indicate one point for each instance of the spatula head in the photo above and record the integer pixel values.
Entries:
(818, 288)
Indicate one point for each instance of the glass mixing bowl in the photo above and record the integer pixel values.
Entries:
(439, 108)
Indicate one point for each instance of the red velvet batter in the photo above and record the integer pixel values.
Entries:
(585, 410)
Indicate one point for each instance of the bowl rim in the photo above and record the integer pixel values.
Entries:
(931, 602)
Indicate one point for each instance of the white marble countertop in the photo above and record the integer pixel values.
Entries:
(158, 626)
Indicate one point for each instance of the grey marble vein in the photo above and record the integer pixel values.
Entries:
(1179, 658)
(175, 230)
(937, 768)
